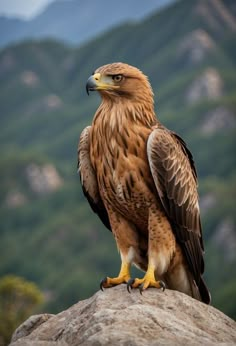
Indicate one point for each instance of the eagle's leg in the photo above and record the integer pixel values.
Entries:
(161, 246)
(126, 240)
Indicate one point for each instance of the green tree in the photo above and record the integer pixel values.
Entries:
(18, 299)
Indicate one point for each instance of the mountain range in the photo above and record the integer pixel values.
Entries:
(75, 21)
(48, 233)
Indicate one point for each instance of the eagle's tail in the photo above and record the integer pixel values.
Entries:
(200, 291)
(204, 292)
(181, 279)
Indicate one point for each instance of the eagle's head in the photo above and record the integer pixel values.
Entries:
(120, 80)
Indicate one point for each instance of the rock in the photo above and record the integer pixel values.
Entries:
(209, 85)
(195, 46)
(216, 15)
(29, 325)
(52, 101)
(49, 103)
(218, 119)
(43, 179)
(15, 199)
(29, 79)
(115, 317)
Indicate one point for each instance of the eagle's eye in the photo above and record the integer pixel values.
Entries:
(117, 77)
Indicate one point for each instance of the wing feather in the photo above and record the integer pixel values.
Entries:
(175, 178)
(88, 178)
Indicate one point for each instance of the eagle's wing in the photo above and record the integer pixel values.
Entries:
(175, 178)
(88, 178)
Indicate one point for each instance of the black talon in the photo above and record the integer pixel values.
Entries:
(103, 281)
(129, 284)
(141, 289)
(163, 285)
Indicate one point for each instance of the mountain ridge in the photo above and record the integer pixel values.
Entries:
(70, 21)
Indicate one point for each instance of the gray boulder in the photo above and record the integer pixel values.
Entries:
(115, 317)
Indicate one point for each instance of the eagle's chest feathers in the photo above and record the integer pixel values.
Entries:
(118, 155)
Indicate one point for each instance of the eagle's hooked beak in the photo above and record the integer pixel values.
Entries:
(92, 82)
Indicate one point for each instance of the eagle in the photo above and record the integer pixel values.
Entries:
(140, 178)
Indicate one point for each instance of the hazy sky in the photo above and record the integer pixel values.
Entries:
(22, 8)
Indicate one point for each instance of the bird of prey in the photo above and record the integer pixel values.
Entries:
(140, 178)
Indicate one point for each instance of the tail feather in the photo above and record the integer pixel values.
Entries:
(204, 292)
(181, 279)
(200, 291)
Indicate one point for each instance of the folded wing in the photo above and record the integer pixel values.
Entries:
(175, 178)
(88, 178)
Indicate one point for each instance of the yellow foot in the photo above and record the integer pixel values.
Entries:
(123, 277)
(144, 283)
(110, 282)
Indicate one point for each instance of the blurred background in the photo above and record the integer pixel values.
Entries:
(49, 235)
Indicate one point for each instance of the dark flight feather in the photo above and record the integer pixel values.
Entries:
(175, 177)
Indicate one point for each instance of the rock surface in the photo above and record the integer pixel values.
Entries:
(209, 85)
(43, 179)
(195, 46)
(219, 119)
(115, 317)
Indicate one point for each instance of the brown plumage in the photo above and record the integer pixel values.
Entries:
(140, 179)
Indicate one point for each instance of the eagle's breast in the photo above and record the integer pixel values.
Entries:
(118, 156)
